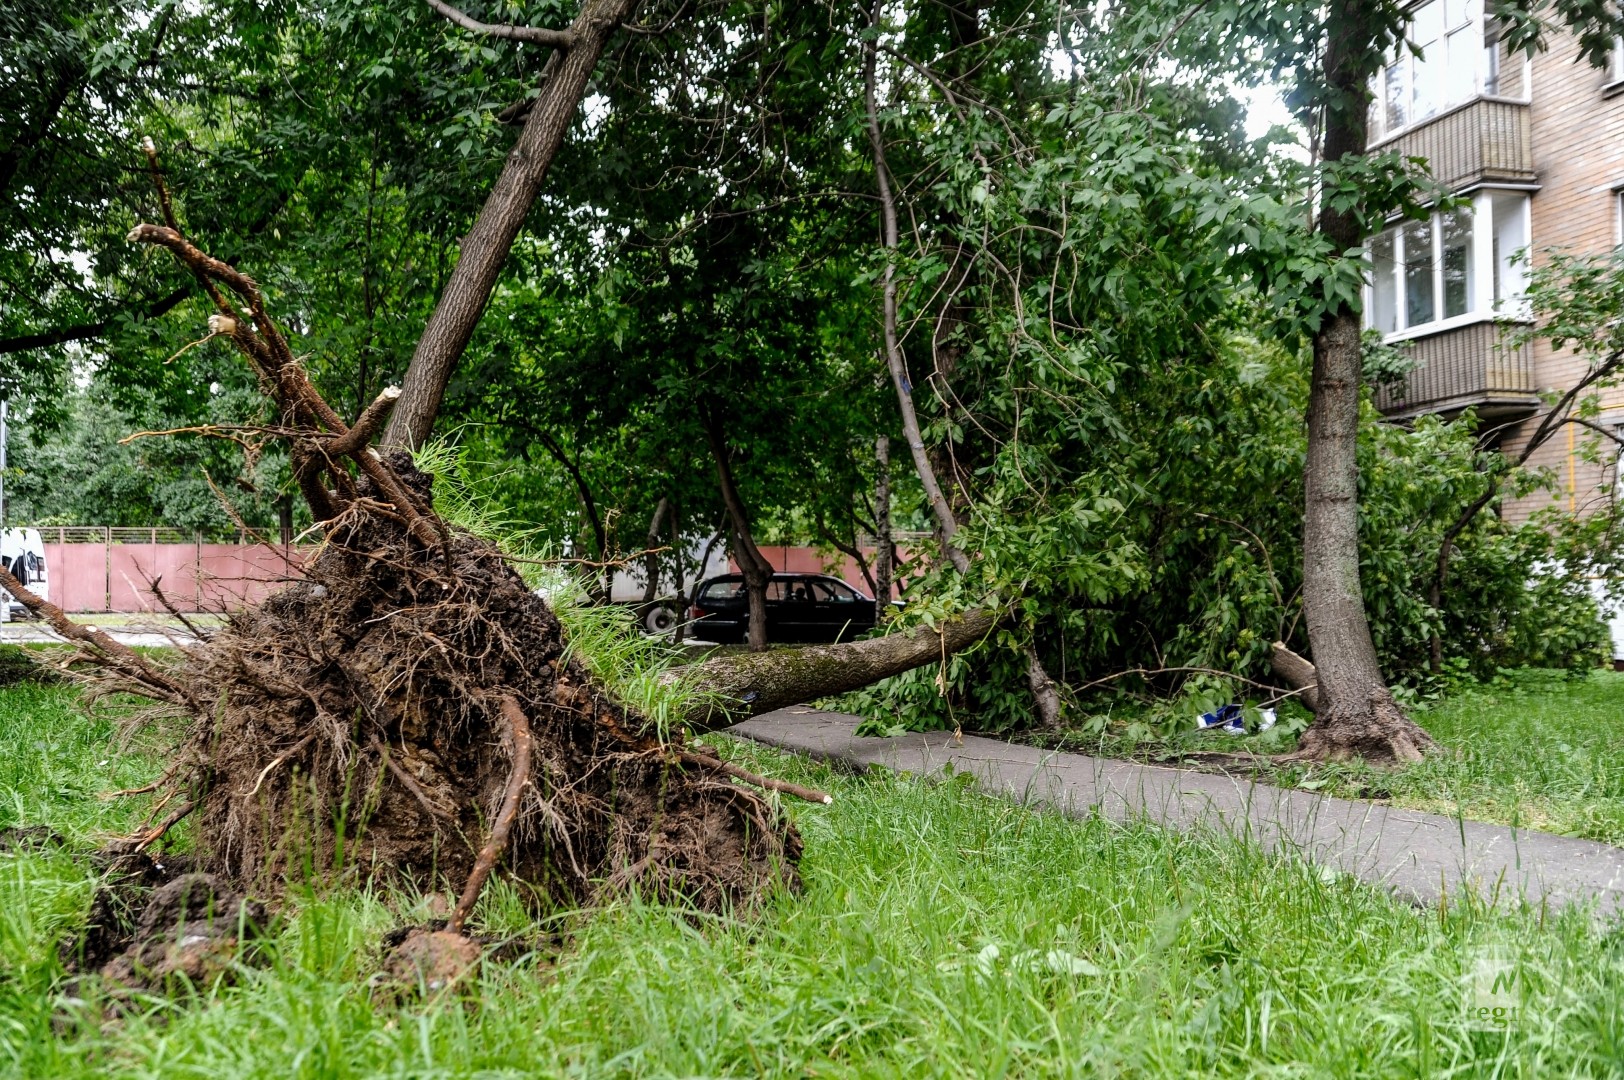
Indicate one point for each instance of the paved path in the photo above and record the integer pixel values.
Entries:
(1424, 858)
(34, 633)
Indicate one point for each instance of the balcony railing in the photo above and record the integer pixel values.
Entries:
(1484, 140)
(1473, 365)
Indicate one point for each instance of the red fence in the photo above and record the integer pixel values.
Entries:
(111, 570)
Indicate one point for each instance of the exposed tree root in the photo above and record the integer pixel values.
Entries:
(1375, 729)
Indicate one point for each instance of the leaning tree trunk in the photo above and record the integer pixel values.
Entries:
(1045, 692)
(487, 244)
(732, 689)
(1358, 716)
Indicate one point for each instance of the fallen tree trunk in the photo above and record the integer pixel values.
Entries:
(736, 687)
(1296, 672)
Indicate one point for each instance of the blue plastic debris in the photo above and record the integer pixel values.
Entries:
(1226, 717)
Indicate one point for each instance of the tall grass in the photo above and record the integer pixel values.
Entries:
(939, 932)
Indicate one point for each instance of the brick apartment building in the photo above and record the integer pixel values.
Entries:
(1538, 145)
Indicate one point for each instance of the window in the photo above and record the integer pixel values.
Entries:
(840, 592)
(723, 590)
(1457, 61)
(1615, 64)
(1451, 266)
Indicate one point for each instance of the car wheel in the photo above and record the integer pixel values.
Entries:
(660, 620)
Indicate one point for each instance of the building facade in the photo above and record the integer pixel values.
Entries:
(1538, 147)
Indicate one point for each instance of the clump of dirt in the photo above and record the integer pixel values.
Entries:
(353, 722)
(429, 959)
(192, 929)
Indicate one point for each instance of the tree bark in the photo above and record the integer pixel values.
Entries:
(487, 244)
(1358, 716)
(883, 564)
(757, 571)
(1297, 673)
(734, 688)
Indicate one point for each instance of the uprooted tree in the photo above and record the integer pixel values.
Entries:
(406, 705)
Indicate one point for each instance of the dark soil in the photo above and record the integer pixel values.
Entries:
(351, 724)
(192, 930)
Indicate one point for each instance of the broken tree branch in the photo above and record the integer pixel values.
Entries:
(367, 424)
(1298, 672)
(558, 39)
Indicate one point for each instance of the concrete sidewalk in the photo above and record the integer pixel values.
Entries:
(149, 633)
(1424, 858)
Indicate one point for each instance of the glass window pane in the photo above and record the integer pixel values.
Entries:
(723, 590)
(1383, 313)
(1428, 24)
(1462, 50)
(1398, 111)
(1460, 296)
(1457, 13)
(1425, 75)
(1418, 301)
(1510, 237)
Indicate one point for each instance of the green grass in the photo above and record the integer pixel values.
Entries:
(940, 932)
(1535, 750)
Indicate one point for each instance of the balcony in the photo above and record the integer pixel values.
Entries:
(1486, 140)
(1467, 366)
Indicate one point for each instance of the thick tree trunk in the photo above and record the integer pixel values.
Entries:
(487, 244)
(883, 566)
(1357, 716)
(735, 688)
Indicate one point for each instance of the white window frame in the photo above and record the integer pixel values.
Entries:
(1615, 64)
(1476, 28)
(1484, 306)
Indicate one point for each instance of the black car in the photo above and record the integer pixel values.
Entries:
(800, 608)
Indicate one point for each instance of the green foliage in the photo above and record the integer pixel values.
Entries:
(67, 463)
(1212, 587)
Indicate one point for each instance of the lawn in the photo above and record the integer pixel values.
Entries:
(1535, 750)
(939, 932)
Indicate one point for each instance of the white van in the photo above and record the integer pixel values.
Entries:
(23, 552)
